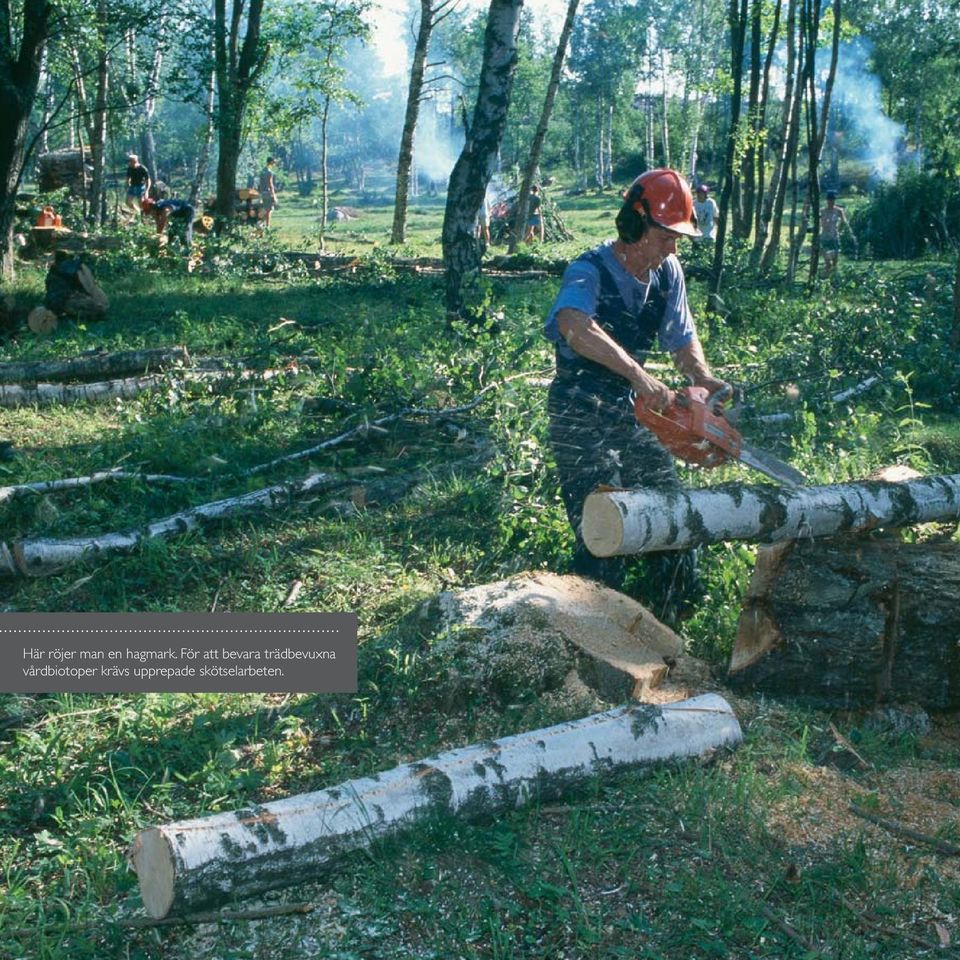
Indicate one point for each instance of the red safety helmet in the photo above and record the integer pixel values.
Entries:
(664, 196)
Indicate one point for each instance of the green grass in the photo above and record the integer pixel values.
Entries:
(718, 859)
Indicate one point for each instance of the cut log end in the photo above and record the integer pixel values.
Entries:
(602, 526)
(152, 861)
(42, 321)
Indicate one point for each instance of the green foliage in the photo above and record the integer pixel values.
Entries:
(917, 215)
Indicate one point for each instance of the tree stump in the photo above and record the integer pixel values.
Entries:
(854, 621)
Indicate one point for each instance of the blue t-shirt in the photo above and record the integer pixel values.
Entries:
(176, 207)
(580, 290)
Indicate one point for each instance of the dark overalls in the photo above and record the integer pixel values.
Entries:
(597, 440)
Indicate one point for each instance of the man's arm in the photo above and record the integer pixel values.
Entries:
(587, 338)
(692, 363)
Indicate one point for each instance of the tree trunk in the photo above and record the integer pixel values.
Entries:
(44, 558)
(748, 170)
(791, 119)
(324, 172)
(853, 622)
(760, 220)
(98, 140)
(414, 94)
(194, 863)
(238, 64)
(955, 331)
(536, 147)
(738, 26)
(203, 157)
(471, 173)
(819, 128)
(622, 522)
(148, 146)
(81, 368)
(19, 79)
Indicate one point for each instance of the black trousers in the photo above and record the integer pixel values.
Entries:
(596, 440)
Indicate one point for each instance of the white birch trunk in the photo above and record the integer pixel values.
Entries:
(195, 863)
(622, 522)
(43, 558)
(104, 364)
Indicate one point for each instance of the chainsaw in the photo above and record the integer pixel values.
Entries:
(694, 429)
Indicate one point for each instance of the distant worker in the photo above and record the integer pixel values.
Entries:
(138, 182)
(268, 193)
(832, 218)
(483, 219)
(535, 219)
(705, 207)
(164, 211)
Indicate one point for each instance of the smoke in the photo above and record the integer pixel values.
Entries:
(873, 137)
(435, 149)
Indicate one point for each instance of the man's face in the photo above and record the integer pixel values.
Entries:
(660, 243)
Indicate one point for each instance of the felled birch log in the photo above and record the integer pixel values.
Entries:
(853, 621)
(197, 863)
(41, 394)
(41, 557)
(620, 522)
(98, 365)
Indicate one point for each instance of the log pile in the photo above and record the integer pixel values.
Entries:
(65, 168)
(196, 863)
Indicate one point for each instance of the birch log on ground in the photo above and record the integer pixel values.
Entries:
(621, 522)
(853, 621)
(197, 863)
(44, 558)
(103, 391)
(98, 365)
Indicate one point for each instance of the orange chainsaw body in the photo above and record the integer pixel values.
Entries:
(690, 429)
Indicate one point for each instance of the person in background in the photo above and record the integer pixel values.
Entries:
(705, 207)
(165, 211)
(138, 182)
(614, 302)
(268, 193)
(535, 219)
(483, 219)
(831, 220)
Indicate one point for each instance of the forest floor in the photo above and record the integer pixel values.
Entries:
(752, 854)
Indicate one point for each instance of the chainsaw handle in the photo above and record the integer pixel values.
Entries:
(720, 396)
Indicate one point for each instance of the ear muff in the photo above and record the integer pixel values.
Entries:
(631, 223)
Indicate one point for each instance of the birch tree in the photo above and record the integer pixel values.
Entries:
(239, 59)
(23, 35)
(536, 147)
(432, 12)
(471, 173)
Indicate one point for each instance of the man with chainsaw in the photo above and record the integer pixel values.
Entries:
(614, 302)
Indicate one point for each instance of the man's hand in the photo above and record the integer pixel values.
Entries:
(714, 386)
(656, 395)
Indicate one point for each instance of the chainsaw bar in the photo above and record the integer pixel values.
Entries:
(768, 464)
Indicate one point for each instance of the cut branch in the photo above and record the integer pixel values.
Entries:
(193, 863)
(908, 833)
(621, 522)
(73, 483)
